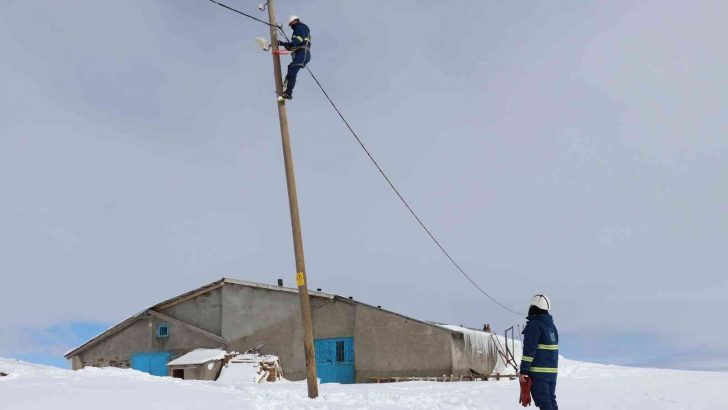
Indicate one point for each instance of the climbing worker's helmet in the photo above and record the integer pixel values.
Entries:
(541, 301)
(292, 20)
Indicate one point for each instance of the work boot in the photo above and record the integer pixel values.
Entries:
(285, 96)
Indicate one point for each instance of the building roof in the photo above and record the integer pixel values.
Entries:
(155, 309)
(199, 356)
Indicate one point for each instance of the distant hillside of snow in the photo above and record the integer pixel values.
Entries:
(581, 386)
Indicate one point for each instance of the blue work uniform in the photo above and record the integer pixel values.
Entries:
(300, 46)
(540, 359)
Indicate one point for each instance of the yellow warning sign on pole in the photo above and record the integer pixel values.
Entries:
(300, 279)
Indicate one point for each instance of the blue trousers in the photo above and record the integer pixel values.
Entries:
(544, 394)
(301, 57)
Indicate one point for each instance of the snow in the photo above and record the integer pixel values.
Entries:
(245, 368)
(581, 386)
(199, 356)
(237, 373)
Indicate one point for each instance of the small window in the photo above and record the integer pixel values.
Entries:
(340, 351)
(163, 330)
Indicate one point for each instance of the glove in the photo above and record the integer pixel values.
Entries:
(525, 381)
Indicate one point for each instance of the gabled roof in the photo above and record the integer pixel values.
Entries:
(156, 310)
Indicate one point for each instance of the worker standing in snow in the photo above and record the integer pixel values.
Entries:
(540, 362)
(300, 47)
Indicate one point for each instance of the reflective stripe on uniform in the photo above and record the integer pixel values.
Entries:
(527, 359)
(548, 347)
(543, 369)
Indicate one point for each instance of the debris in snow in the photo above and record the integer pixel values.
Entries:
(3, 374)
(251, 367)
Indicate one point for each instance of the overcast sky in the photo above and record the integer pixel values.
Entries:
(573, 148)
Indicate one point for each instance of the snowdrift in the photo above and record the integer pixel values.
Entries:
(581, 386)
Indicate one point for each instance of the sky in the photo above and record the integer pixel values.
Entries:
(576, 149)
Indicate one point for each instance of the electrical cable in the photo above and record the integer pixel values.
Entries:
(406, 204)
(246, 15)
(386, 178)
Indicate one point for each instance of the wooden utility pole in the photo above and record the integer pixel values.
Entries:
(301, 280)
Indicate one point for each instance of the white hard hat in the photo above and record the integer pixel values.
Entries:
(292, 19)
(541, 302)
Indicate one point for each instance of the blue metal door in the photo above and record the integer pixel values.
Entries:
(335, 360)
(152, 363)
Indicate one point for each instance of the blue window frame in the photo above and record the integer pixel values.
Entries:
(163, 330)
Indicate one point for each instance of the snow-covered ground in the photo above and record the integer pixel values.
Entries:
(581, 386)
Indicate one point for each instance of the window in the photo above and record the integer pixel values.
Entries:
(340, 351)
(178, 373)
(163, 330)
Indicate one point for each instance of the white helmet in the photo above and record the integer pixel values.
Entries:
(292, 19)
(541, 302)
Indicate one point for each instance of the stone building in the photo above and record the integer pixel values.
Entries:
(354, 341)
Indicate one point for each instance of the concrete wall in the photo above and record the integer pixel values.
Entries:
(251, 316)
(204, 311)
(386, 344)
(206, 371)
(141, 336)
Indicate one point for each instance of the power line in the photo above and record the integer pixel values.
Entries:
(386, 178)
(246, 15)
(404, 201)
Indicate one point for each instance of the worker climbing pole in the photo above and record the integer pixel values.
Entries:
(301, 280)
(300, 48)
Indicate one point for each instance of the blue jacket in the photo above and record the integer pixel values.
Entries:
(540, 348)
(301, 37)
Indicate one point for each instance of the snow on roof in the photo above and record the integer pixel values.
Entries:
(254, 358)
(199, 356)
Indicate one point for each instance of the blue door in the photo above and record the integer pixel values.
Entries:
(152, 363)
(335, 360)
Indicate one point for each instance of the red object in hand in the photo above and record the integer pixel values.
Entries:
(279, 52)
(525, 382)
